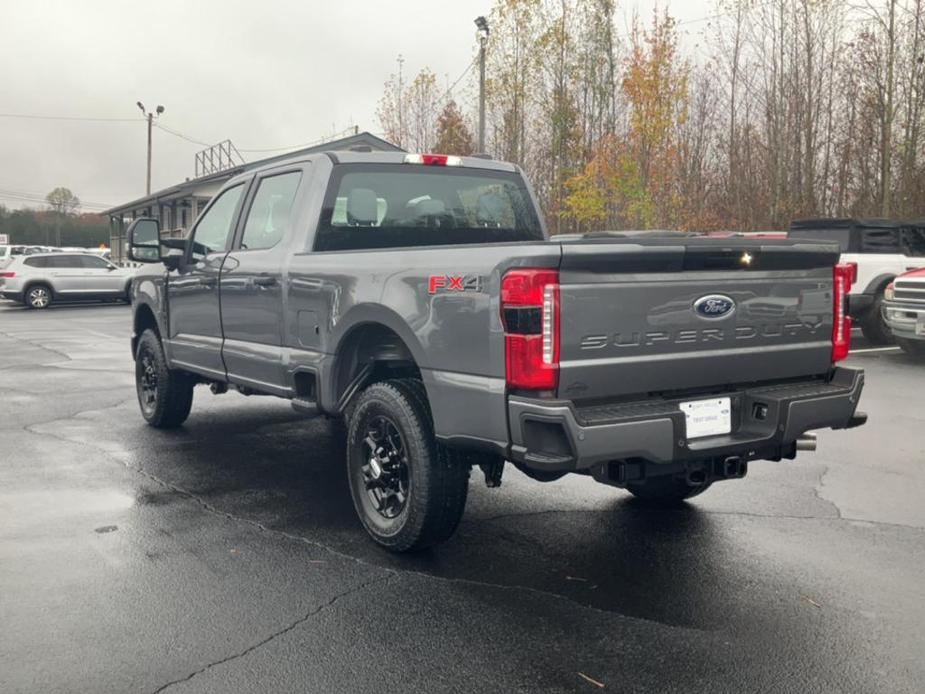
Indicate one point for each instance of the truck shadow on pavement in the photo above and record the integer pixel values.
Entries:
(288, 475)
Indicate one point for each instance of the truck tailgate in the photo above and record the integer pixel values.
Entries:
(691, 313)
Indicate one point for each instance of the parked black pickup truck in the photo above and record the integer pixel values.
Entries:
(420, 298)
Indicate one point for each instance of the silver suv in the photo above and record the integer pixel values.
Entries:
(38, 280)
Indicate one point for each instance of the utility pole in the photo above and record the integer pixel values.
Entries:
(401, 115)
(482, 25)
(150, 117)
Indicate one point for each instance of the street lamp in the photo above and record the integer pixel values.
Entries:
(150, 117)
(482, 24)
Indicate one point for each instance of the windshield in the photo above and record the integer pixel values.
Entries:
(391, 206)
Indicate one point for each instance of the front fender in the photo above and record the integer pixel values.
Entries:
(149, 299)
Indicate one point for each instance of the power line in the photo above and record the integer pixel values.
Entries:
(29, 196)
(319, 141)
(459, 79)
(181, 135)
(35, 116)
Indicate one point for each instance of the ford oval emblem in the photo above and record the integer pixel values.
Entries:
(714, 306)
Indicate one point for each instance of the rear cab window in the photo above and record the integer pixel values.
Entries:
(370, 206)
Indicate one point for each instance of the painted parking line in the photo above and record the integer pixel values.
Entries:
(875, 349)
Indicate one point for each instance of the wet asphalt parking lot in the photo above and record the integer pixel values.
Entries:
(226, 556)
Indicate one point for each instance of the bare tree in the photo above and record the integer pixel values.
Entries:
(62, 201)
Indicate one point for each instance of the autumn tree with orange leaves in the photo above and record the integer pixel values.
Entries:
(791, 108)
(631, 180)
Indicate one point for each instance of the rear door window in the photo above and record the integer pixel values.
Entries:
(214, 227)
(880, 241)
(268, 216)
(913, 239)
(92, 262)
(61, 262)
(370, 206)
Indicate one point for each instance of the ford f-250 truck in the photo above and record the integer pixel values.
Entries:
(420, 298)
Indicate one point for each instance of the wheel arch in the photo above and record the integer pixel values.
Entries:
(367, 351)
(879, 283)
(143, 319)
(33, 282)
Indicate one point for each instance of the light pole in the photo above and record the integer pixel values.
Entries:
(482, 25)
(150, 116)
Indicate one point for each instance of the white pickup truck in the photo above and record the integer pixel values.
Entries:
(904, 311)
(882, 249)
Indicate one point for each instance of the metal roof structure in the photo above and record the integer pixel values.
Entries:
(187, 187)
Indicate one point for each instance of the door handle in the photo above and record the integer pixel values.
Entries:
(263, 281)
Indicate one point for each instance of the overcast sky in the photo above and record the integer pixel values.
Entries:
(264, 74)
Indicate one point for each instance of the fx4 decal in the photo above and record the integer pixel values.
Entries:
(454, 283)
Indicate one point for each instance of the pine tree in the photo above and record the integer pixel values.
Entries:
(453, 137)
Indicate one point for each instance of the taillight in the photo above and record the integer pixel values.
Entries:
(433, 159)
(844, 276)
(7, 274)
(530, 314)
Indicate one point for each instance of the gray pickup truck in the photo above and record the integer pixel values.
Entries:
(420, 298)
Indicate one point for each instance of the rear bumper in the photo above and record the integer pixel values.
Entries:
(906, 320)
(10, 295)
(766, 422)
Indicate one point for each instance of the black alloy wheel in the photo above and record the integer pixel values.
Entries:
(409, 491)
(146, 370)
(385, 475)
(165, 395)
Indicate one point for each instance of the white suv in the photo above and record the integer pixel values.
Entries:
(37, 280)
(882, 249)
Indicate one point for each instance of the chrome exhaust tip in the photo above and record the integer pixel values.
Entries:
(807, 442)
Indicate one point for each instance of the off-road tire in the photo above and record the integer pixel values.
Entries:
(873, 326)
(437, 477)
(915, 348)
(38, 296)
(173, 390)
(666, 491)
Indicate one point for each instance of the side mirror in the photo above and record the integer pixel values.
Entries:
(144, 240)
